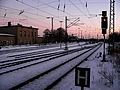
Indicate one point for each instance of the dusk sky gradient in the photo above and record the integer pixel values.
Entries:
(36, 11)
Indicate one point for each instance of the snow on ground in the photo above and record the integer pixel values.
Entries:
(37, 48)
(103, 75)
(31, 46)
(23, 74)
(5, 57)
(44, 81)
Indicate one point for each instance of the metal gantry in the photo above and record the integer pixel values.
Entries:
(112, 16)
(112, 20)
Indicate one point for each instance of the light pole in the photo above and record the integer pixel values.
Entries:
(51, 23)
(61, 23)
(79, 32)
(66, 35)
(51, 28)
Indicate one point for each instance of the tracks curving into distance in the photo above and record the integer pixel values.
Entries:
(68, 66)
(27, 59)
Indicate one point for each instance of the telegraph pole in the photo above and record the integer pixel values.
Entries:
(81, 34)
(52, 25)
(68, 26)
(66, 35)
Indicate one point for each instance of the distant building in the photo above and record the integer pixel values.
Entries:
(7, 39)
(18, 34)
(40, 40)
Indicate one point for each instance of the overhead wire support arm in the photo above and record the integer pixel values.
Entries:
(73, 23)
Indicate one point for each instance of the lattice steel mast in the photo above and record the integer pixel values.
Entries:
(112, 19)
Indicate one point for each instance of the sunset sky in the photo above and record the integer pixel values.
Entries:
(34, 12)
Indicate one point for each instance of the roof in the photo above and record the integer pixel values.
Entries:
(18, 25)
(3, 34)
(40, 36)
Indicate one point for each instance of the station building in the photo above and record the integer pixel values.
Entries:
(7, 39)
(18, 35)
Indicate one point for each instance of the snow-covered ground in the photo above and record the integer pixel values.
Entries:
(104, 75)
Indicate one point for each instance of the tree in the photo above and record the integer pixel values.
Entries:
(114, 36)
(47, 35)
(56, 36)
(60, 32)
(46, 32)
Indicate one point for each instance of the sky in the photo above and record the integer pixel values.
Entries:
(35, 12)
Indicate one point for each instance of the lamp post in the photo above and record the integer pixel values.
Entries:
(61, 23)
(51, 27)
(79, 32)
(51, 23)
(66, 35)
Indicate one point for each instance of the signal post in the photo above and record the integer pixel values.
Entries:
(104, 25)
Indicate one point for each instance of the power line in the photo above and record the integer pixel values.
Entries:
(86, 6)
(24, 11)
(47, 3)
(81, 10)
(81, 2)
(77, 8)
(22, 15)
(36, 8)
(56, 8)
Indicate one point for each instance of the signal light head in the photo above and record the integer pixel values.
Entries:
(104, 20)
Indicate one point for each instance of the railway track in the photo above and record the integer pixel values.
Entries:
(39, 52)
(28, 57)
(27, 49)
(59, 70)
(37, 58)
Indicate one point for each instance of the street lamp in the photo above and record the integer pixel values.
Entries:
(79, 32)
(61, 23)
(66, 35)
(51, 23)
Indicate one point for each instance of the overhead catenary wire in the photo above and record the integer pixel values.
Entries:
(58, 4)
(77, 8)
(36, 8)
(24, 11)
(57, 18)
(22, 15)
(63, 11)
(85, 5)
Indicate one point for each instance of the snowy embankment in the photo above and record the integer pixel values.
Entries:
(13, 78)
(104, 75)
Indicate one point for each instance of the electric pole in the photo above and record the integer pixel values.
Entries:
(51, 28)
(66, 35)
(112, 21)
(51, 24)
